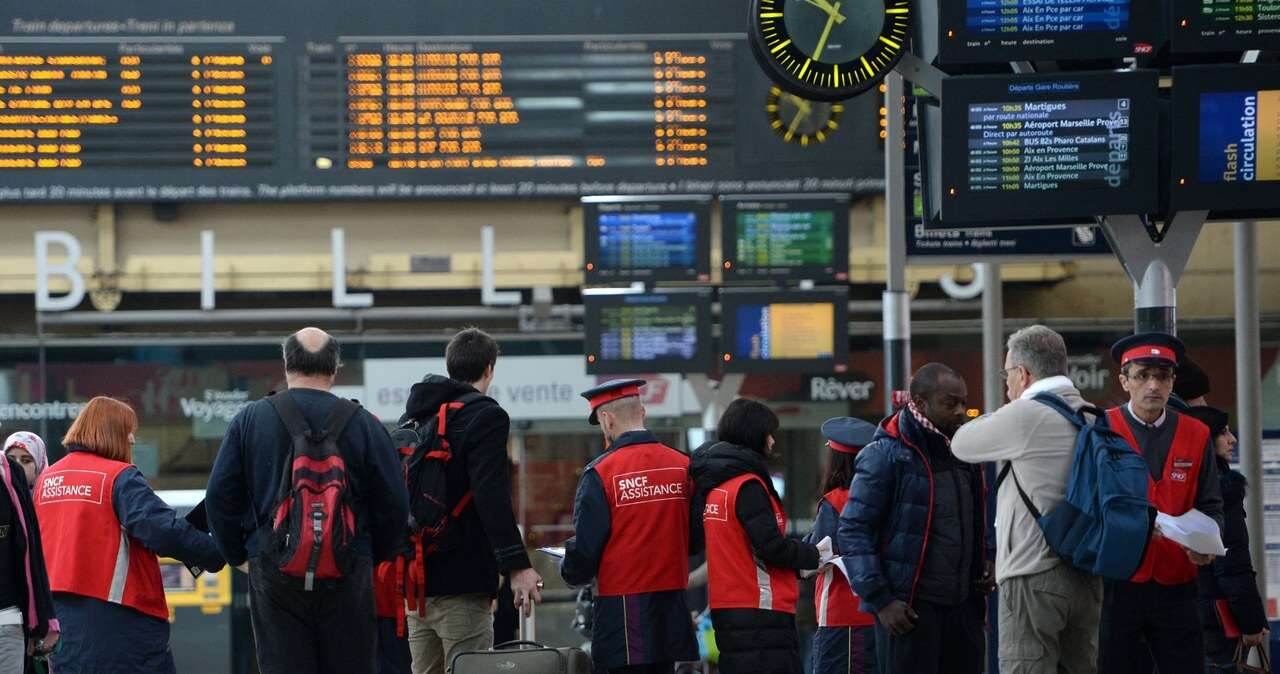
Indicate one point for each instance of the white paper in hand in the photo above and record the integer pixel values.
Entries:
(557, 552)
(1193, 530)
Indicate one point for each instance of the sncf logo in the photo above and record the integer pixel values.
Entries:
(1143, 48)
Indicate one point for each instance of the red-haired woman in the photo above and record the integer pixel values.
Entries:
(103, 528)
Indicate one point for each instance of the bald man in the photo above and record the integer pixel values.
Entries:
(331, 626)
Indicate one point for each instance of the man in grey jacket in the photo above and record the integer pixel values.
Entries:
(1049, 610)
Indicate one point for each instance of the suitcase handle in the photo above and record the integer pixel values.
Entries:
(519, 643)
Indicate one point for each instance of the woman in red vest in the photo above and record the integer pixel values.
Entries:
(845, 642)
(751, 564)
(103, 528)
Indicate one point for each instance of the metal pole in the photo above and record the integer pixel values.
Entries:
(896, 299)
(1249, 392)
(1155, 300)
(992, 337)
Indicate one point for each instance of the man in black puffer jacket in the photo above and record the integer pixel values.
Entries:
(462, 574)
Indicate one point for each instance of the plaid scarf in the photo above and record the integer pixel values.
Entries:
(925, 423)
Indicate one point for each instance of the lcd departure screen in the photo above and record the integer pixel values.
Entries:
(648, 333)
(785, 331)
(1229, 117)
(1046, 148)
(995, 31)
(1224, 25)
(788, 237)
(647, 239)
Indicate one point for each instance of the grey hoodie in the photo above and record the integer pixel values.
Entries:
(1040, 444)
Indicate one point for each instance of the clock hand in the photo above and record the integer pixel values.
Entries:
(826, 31)
(828, 8)
(800, 114)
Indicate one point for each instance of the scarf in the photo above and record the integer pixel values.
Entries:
(33, 446)
(926, 424)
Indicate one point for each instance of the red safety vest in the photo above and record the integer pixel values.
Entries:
(735, 577)
(1166, 562)
(86, 550)
(648, 490)
(835, 603)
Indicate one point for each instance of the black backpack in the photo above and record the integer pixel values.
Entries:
(313, 526)
(424, 459)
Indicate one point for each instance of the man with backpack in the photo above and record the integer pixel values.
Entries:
(306, 489)
(1049, 609)
(453, 577)
(1153, 616)
(913, 536)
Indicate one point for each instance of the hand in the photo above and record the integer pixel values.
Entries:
(524, 585)
(1199, 559)
(1156, 533)
(831, 10)
(825, 553)
(47, 644)
(898, 618)
(826, 31)
(987, 583)
(1259, 639)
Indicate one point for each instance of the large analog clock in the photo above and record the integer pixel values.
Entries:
(829, 50)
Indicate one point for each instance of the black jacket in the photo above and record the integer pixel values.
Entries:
(24, 581)
(1231, 577)
(752, 640)
(247, 472)
(485, 539)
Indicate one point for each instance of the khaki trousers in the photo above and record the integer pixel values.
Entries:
(452, 625)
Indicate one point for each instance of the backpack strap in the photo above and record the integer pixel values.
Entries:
(292, 417)
(341, 414)
(1057, 404)
(1026, 500)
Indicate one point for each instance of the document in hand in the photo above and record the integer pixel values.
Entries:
(1193, 530)
(558, 553)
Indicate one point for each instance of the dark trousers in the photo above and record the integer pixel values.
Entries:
(652, 668)
(393, 650)
(946, 640)
(1146, 624)
(329, 630)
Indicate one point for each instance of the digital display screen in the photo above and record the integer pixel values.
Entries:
(799, 237)
(1240, 136)
(305, 101)
(1225, 25)
(1046, 149)
(993, 31)
(636, 239)
(791, 331)
(1229, 162)
(648, 333)
(1049, 145)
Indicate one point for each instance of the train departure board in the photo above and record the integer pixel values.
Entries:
(157, 101)
(647, 238)
(994, 31)
(788, 237)
(804, 331)
(1229, 163)
(1044, 148)
(648, 333)
(1224, 25)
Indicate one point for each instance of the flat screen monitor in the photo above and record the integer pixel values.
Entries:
(1224, 25)
(1014, 150)
(998, 31)
(785, 237)
(647, 333)
(647, 239)
(1228, 121)
(799, 331)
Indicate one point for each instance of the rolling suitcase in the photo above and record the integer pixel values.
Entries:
(523, 656)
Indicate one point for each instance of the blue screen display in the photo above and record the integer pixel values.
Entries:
(648, 240)
(1009, 18)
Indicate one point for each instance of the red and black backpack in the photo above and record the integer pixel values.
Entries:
(313, 525)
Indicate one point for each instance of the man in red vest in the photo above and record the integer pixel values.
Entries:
(1152, 617)
(631, 535)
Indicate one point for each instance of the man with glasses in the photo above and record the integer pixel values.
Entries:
(1048, 608)
(1153, 617)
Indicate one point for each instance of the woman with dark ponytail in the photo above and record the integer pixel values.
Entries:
(845, 642)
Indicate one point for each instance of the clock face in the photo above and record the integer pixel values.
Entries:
(801, 121)
(829, 50)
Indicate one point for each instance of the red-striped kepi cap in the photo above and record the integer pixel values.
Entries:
(608, 392)
(1149, 348)
(847, 434)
